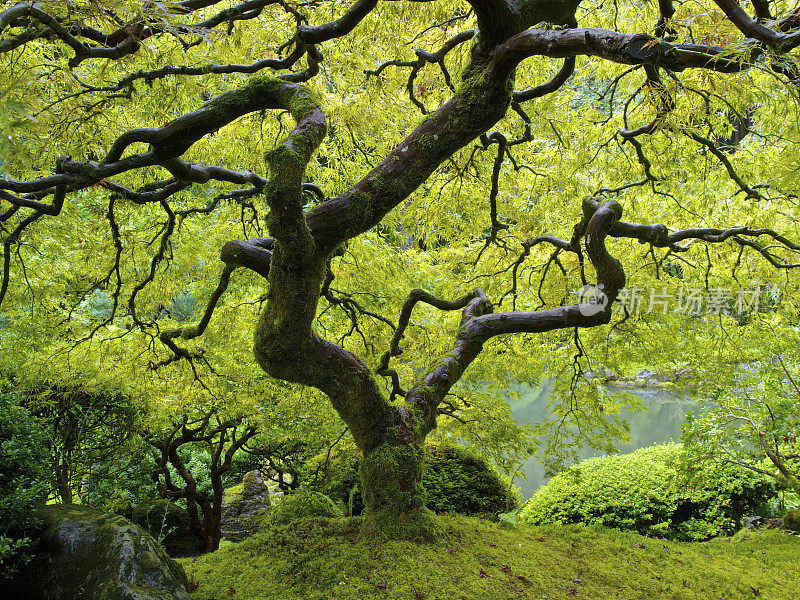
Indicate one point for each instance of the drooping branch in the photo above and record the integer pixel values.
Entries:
(666, 10)
(187, 332)
(623, 48)
(341, 26)
(659, 236)
(167, 143)
(423, 58)
(351, 307)
(712, 147)
(159, 256)
(12, 239)
(560, 78)
(414, 297)
(751, 28)
(128, 38)
(479, 323)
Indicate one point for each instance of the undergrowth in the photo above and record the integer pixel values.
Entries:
(475, 559)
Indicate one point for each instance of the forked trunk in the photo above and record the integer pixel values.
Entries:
(394, 497)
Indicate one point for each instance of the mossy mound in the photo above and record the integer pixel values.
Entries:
(791, 520)
(301, 505)
(476, 559)
(647, 492)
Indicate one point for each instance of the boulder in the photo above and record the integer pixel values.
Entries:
(169, 524)
(242, 505)
(791, 520)
(645, 374)
(87, 553)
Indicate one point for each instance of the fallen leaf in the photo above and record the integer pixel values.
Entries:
(506, 569)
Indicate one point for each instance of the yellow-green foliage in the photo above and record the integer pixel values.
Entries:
(646, 491)
(475, 559)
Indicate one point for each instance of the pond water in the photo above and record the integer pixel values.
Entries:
(660, 423)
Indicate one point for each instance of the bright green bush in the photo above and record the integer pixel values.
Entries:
(647, 492)
(455, 480)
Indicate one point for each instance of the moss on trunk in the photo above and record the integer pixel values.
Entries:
(394, 497)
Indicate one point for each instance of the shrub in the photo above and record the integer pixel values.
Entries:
(648, 492)
(303, 504)
(455, 480)
(23, 481)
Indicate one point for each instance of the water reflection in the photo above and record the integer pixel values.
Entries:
(666, 411)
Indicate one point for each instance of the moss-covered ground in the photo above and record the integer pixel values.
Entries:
(317, 559)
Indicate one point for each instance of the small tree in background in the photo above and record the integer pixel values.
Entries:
(222, 439)
(24, 480)
(84, 428)
(754, 421)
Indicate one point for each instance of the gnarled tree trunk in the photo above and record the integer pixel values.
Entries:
(390, 435)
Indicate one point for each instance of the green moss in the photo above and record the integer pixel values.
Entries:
(393, 492)
(299, 99)
(301, 505)
(233, 493)
(473, 559)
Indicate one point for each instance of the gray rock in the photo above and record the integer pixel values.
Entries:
(242, 505)
(602, 373)
(253, 484)
(753, 522)
(87, 553)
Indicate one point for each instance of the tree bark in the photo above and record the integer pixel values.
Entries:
(394, 497)
(63, 484)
